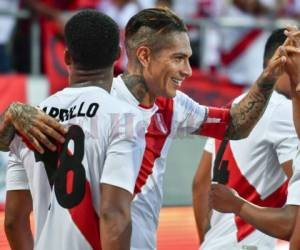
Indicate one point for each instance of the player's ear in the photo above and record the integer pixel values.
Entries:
(67, 57)
(143, 54)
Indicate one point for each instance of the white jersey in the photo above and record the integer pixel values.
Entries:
(254, 170)
(178, 116)
(102, 146)
(294, 183)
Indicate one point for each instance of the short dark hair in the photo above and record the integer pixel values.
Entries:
(92, 39)
(148, 26)
(275, 40)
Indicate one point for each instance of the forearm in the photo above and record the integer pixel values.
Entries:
(115, 231)
(276, 222)
(202, 213)
(19, 235)
(18, 207)
(7, 131)
(248, 111)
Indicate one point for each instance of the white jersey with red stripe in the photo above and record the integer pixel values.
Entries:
(102, 146)
(252, 167)
(241, 48)
(178, 116)
(294, 183)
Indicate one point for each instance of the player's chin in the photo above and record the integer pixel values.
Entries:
(170, 92)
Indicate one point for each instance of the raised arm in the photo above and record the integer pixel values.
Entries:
(276, 222)
(32, 124)
(248, 111)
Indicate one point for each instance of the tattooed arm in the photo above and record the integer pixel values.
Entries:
(248, 111)
(31, 123)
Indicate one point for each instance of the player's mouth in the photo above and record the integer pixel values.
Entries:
(177, 82)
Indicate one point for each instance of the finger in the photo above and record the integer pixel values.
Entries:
(276, 63)
(52, 122)
(289, 49)
(294, 37)
(32, 142)
(50, 132)
(291, 27)
(36, 133)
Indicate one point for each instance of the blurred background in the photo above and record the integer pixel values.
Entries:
(227, 38)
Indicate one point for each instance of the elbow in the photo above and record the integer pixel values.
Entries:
(11, 223)
(285, 232)
(285, 229)
(116, 220)
(238, 133)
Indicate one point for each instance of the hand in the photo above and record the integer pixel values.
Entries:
(293, 59)
(285, 58)
(34, 125)
(224, 199)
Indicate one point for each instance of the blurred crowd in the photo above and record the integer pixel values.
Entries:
(233, 50)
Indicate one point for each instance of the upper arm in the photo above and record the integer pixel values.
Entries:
(203, 173)
(18, 206)
(114, 199)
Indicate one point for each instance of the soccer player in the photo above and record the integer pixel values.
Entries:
(276, 222)
(256, 167)
(86, 187)
(158, 49)
(33, 124)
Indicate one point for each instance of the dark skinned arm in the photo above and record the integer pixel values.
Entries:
(276, 222)
(201, 187)
(115, 218)
(18, 207)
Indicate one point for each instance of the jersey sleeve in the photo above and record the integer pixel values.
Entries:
(124, 156)
(209, 145)
(16, 177)
(282, 132)
(216, 123)
(188, 114)
(198, 119)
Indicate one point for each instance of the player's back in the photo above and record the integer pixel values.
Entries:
(65, 186)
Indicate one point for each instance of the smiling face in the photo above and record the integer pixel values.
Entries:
(166, 68)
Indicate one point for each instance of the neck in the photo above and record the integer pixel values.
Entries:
(99, 77)
(136, 83)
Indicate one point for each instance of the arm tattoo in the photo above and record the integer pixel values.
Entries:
(136, 84)
(248, 111)
(21, 115)
(7, 133)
